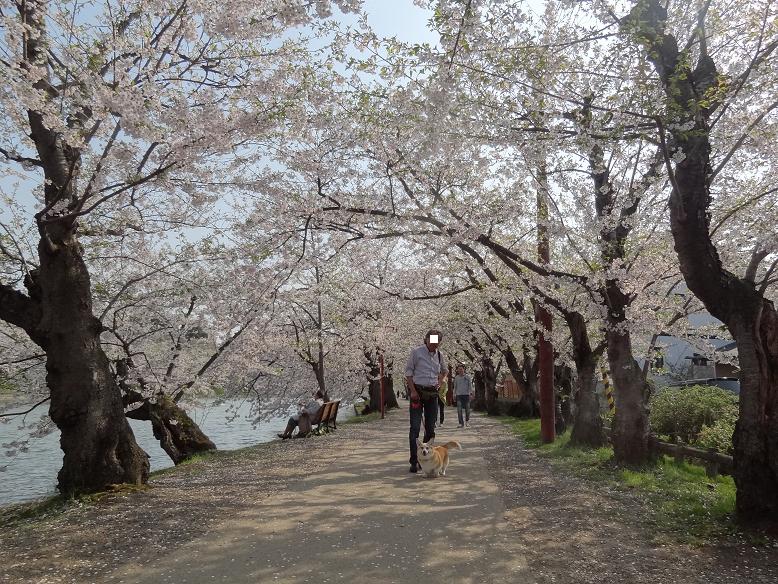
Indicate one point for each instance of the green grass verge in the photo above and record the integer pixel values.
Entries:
(50, 507)
(204, 457)
(41, 510)
(371, 417)
(15, 514)
(681, 502)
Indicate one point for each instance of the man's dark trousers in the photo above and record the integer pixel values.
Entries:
(429, 408)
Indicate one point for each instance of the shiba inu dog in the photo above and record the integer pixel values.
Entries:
(434, 459)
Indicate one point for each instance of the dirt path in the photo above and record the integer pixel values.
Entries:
(363, 519)
(344, 505)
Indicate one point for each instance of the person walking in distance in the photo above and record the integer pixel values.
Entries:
(463, 391)
(425, 371)
(442, 391)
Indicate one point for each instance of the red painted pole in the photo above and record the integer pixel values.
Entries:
(383, 401)
(546, 377)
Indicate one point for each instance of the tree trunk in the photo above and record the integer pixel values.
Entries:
(750, 317)
(390, 398)
(320, 382)
(179, 436)
(543, 319)
(98, 445)
(631, 444)
(489, 377)
(631, 431)
(374, 385)
(374, 390)
(587, 421)
(526, 406)
(563, 382)
(529, 402)
(96, 439)
(756, 433)
(479, 399)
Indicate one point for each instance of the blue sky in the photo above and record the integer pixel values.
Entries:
(400, 18)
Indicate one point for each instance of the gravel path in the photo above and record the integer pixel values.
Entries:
(561, 529)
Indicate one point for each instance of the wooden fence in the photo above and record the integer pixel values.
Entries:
(715, 462)
(509, 389)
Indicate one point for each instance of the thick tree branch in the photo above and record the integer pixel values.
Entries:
(21, 310)
(8, 415)
(24, 160)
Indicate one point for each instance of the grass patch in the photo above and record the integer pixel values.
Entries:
(44, 509)
(210, 455)
(371, 417)
(17, 513)
(681, 502)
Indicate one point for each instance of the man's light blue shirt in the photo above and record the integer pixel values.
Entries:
(425, 366)
(462, 385)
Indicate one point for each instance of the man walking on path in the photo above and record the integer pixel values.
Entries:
(463, 390)
(424, 373)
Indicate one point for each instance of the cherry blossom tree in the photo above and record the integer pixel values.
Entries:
(123, 110)
(716, 98)
(453, 184)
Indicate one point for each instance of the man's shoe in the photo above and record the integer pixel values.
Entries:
(414, 468)
(461, 426)
(283, 436)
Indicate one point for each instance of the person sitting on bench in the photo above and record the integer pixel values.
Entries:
(310, 409)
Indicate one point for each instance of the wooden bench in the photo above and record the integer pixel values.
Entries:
(331, 422)
(324, 420)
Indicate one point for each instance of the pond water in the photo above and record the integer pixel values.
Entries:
(33, 474)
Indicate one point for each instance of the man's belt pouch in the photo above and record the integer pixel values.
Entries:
(427, 393)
